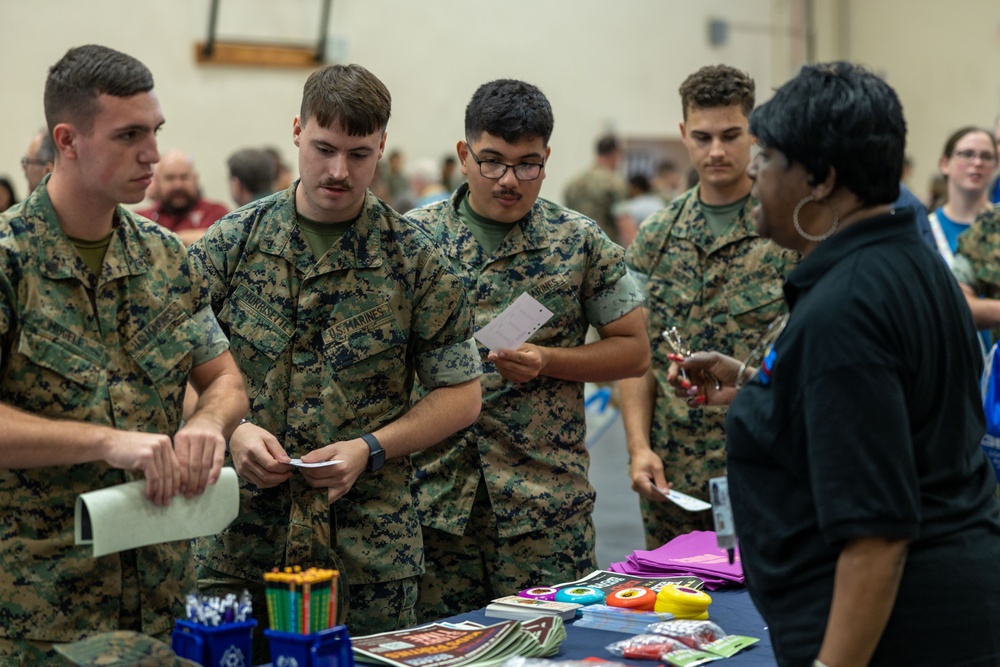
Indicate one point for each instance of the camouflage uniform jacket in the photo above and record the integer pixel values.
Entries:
(114, 350)
(529, 440)
(329, 350)
(977, 259)
(720, 293)
(594, 193)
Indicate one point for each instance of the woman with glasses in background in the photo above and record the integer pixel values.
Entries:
(967, 164)
(863, 503)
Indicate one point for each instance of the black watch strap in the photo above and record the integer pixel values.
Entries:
(376, 456)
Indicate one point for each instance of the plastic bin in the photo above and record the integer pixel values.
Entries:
(215, 646)
(327, 648)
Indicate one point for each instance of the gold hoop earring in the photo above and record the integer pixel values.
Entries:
(810, 237)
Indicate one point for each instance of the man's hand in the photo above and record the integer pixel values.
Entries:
(200, 448)
(258, 456)
(521, 365)
(647, 473)
(152, 454)
(337, 479)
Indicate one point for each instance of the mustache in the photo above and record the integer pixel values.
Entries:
(333, 183)
(508, 193)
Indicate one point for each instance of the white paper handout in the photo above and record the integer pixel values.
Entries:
(298, 463)
(515, 325)
(122, 517)
(690, 503)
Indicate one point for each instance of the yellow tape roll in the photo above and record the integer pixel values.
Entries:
(683, 602)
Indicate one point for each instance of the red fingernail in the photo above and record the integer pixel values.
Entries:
(685, 384)
(675, 357)
(699, 400)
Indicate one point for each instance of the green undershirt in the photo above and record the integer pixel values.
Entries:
(93, 252)
(322, 235)
(719, 218)
(489, 233)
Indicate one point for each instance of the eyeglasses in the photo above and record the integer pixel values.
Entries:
(970, 155)
(25, 161)
(761, 357)
(526, 171)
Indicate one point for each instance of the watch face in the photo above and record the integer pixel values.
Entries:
(376, 460)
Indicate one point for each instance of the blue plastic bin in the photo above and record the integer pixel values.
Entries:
(221, 646)
(327, 648)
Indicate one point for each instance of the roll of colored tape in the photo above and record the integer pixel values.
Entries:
(580, 595)
(540, 593)
(683, 602)
(643, 599)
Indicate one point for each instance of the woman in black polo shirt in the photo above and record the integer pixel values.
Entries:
(864, 505)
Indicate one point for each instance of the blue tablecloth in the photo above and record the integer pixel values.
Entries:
(732, 610)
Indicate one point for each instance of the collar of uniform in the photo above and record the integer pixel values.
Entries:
(123, 258)
(691, 224)
(898, 224)
(531, 232)
(282, 237)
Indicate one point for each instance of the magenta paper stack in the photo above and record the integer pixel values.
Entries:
(693, 554)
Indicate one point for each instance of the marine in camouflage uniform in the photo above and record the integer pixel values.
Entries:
(506, 504)
(594, 193)
(115, 351)
(721, 293)
(330, 349)
(99, 336)
(977, 264)
(526, 455)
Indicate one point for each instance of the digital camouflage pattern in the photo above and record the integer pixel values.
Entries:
(121, 649)
(330, 350)
(457, 579)
(529, 438)
(721, 293)
(979, 245)
(594, 193)
(122, 361)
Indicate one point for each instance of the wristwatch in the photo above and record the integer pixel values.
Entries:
(376, 457)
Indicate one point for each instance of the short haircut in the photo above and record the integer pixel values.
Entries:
(841, 116)
(46, 150)
(718, 86)
(509, 109)
(255, 168)
(349, 95)
(606, 145)
(956, 136)
(82, 75)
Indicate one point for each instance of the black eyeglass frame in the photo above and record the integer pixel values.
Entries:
(521, 166)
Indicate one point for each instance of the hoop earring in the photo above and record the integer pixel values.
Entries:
(811, 237)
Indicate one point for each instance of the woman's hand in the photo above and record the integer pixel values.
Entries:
(704, 378)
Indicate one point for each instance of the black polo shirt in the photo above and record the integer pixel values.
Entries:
(869, 426)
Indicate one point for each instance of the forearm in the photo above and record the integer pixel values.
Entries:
(31, 441)
(222, 398)
(985, 312)
(622, 352)
(865, 586)
(438, 415)
(638, 395)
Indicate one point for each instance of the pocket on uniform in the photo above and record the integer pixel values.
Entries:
(162, 349)
(757, 300)
(258, 335)
(366, 357)
(54, 349)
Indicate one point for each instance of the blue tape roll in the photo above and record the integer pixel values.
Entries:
(580, 595)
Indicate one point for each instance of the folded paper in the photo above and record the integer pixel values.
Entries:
(121, 517)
